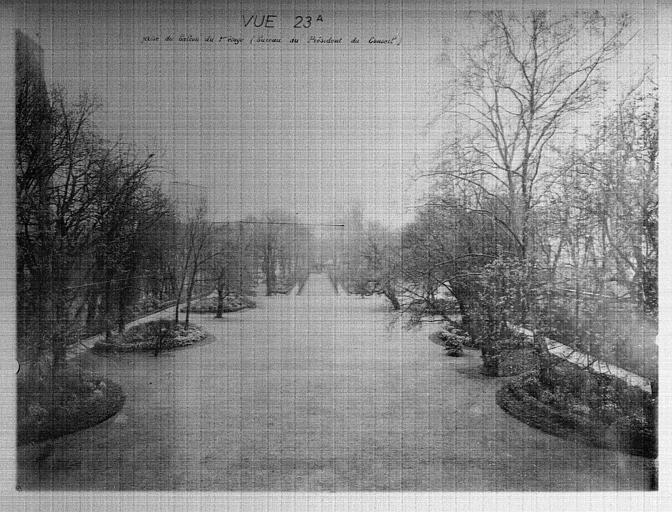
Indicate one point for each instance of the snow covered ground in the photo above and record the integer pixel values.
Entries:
(317, 392)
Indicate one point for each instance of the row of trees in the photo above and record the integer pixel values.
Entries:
(232, 256)
(99, 242)
(564, 208)
(85, 209)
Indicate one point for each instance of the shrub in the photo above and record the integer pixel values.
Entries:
(452, 343)
(453, 339)
(454, 329)
(509, 355)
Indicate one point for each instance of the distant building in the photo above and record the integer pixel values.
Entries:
(33, 120)
(30, 83)
(29, 55)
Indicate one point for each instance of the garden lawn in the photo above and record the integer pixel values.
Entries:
(317, 392)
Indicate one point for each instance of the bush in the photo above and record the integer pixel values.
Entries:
(452, 343)
(511, 355)
(453, 339)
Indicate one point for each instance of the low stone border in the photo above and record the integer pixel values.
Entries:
(526, 408)
(94, 410)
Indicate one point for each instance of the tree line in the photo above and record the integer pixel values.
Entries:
(99, 241)
(539, 214)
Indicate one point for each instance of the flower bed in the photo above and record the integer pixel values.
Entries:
(63, 403)
(597, 409)
(232, 303)
(157, 335)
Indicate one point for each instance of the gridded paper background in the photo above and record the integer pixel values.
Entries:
(317, 391)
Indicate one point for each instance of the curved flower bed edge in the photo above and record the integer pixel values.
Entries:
(513, 399)
(98, 407)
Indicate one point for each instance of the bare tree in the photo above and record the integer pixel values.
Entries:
(33, 127)
(55, 226)
(231, 265)
(126, 209)
(193, 254)
(82, 207)
(446, 247)
(513, 92)
(282, 245)
(616, 193)
(381, 265)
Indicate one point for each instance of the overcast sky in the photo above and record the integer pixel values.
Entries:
(308, 128)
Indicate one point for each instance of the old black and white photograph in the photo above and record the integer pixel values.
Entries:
(336, 246)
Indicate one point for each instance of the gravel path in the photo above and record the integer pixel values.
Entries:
(316, 392)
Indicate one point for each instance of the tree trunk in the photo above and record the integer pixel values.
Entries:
(179, 296)
(91, 308)
(190, 291)
(270, 275)
(58, 343)
(127, 288)
(177, 305)
(467, 324)
(545, 361)
(188, 301)
(59, 334)
(121, 313)
(392, 297)
(107, 300)
(220, 302)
